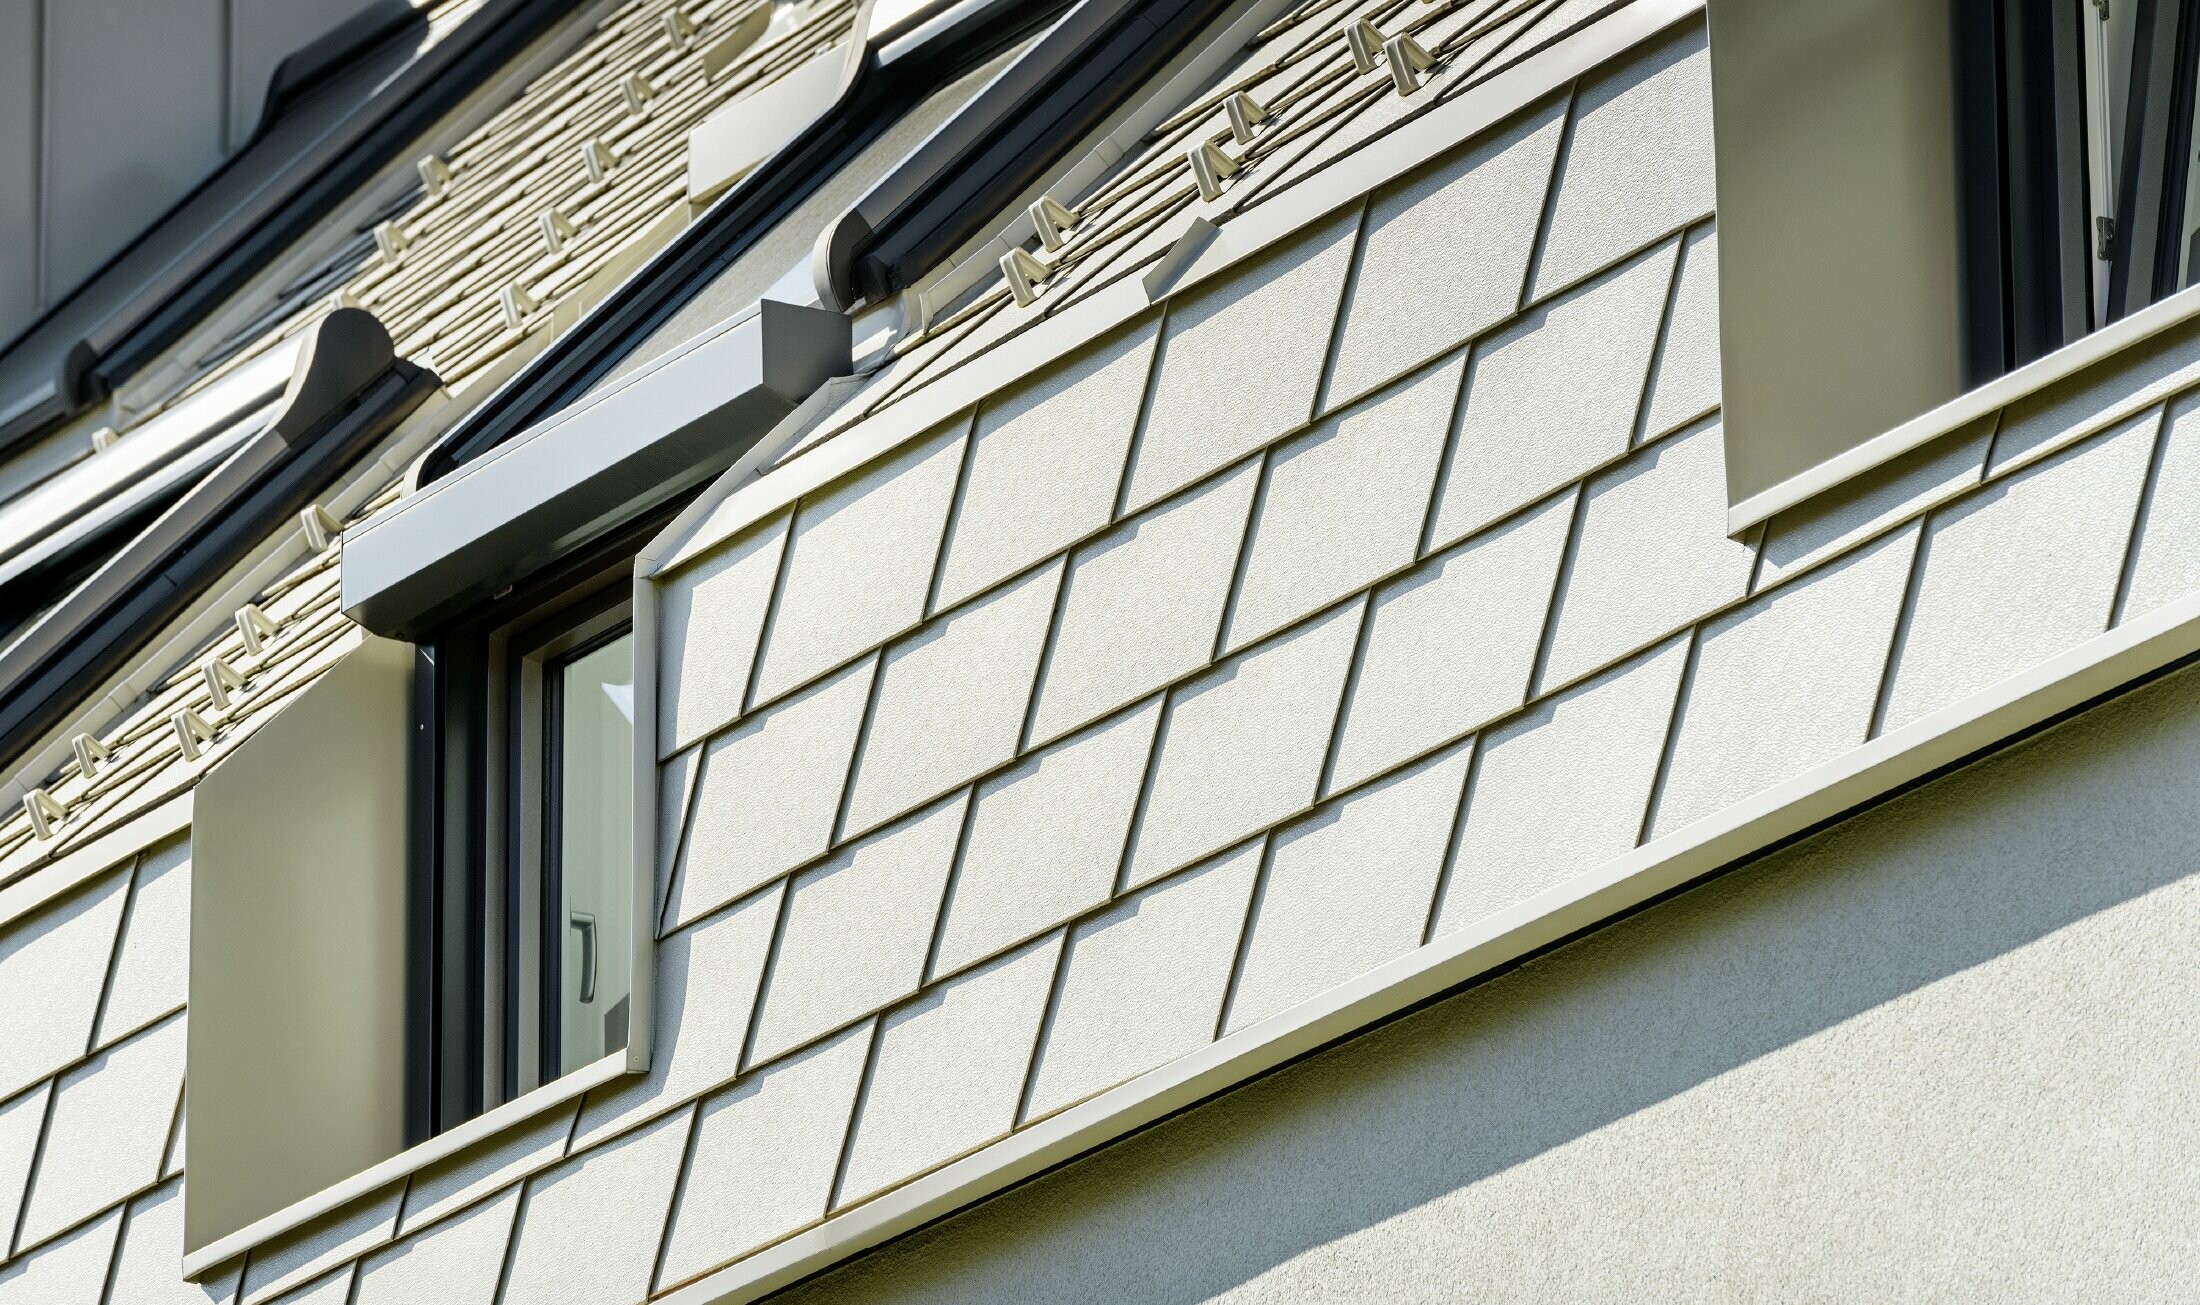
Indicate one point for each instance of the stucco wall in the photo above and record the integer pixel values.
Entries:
(1946, 1050)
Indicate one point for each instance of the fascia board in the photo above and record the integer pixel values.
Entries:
(460, 539)
(2106, 664)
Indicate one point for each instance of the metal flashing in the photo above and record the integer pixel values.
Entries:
(1957, 413)
(635, 447)
(950, 187)
(725, 146)
(102, 853)
(45, 531)
(348, 390)
(883, 86)
(255, 205)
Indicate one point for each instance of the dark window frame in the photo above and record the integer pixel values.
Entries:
(469, 817)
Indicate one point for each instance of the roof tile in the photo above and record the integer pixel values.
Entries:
(950, 1069)
(1446, 254)
(1047, 839)
(951, 700)
(1349, 887)
(1144, 984)
(615, 1201)
(109, 1130)
(456, 1261)
(1552, 395)
(1144, 604)
(857, 931)
(860, 562)
(2020, 571)
(1045, 464)
(1598, 745)
(1637, 162)
(1343, 504)
(1238, 363)
(1244, 745)
(1623, 590)
(1786, 682)
(1423, 680)
(768, 793)
(765, 1154)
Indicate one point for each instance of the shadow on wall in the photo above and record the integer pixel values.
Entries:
(1513, 1136)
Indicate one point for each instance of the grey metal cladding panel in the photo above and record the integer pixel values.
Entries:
(298, 948)
(19, 87)
(133, 122)
(551, 490)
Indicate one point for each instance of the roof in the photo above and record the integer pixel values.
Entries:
(470, 287)
(1349, 615)
(321, 142)
(1264, 602)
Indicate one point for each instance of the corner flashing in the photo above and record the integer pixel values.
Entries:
(1954, 734)
(1965, 408)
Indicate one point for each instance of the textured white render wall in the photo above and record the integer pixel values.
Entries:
(1945, 1051)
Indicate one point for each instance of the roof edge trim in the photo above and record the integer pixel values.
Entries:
(348, 389)
(732, 222)
(835, 446)
(1086, 66)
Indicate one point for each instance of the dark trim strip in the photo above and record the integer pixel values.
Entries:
(261, 201)
(349, 390)
(1005, 139)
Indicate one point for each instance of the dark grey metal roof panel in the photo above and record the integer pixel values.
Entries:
(344, 131)
(633, 448)
(347, 392)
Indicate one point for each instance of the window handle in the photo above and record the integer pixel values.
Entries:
(586, 923)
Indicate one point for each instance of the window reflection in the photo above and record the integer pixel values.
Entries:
(591, 819)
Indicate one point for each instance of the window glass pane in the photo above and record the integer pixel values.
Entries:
(592, 820)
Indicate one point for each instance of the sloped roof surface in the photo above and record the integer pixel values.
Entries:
(1347, 601)
(1301, 71)
(443, 298)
